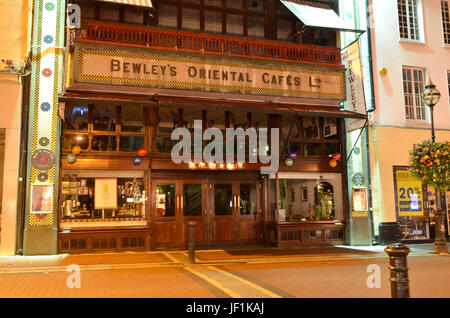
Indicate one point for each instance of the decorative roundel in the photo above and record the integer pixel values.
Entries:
(47, 72)
(42, 177)
(45, 106)
(49, 6)
(43, 159)
(48, 39)
(357, 151)
(44, 141)
(71, 158)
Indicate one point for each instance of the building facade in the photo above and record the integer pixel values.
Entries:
(115, 88)
(14, 89)
(410, 47)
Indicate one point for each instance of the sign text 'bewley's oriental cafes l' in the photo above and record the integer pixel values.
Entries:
(145, 68)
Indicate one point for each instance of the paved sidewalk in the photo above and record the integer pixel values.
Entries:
(234, 255)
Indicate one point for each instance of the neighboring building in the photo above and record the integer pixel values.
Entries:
(13, 91)
(103, 178)
(410, 46)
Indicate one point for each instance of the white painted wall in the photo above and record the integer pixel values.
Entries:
(391, 52)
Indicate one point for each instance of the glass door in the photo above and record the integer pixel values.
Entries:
(248, 207)
(193, 206)
(222, 216)
(165, 213)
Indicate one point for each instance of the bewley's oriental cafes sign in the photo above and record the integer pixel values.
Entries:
(149, 68)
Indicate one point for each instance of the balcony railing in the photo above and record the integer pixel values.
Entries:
(126, 35)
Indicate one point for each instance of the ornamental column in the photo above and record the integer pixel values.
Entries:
(40, 229)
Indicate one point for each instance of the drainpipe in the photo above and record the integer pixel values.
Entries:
(371, 110)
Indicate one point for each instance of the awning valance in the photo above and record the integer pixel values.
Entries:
(140, 3)
(317, 14)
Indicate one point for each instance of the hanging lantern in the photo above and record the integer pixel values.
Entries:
(71, 158)
(336, 156)
(76, 150)
(332, 163)
(142, 152)
(137, 160)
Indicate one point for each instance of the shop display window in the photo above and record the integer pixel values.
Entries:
(305, 199)
(97, 196)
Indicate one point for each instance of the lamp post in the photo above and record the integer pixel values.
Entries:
(431, 96)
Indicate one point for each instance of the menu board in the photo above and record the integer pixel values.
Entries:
(105, 194)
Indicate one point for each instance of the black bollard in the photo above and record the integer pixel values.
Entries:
(398, 267)
(191, 243)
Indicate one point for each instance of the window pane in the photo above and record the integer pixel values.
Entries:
(131, 143)
(133, 15)
(190, 19)
(109, 13)
(72, 140)
(87, 10)
(311, 149)
(255, 5)
(213, 21)
(167, 16)
(104, 143)
(235, 4)
(311, 127)
(256, 27)
(165, 144)
(165, 200)
(217, 3)
(330, 128)
(105, 118)
(192, 200)
(223, 199)
(132, 119)
(247, 199)
(76, 117)
(235, 24)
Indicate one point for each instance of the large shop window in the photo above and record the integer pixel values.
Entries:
(102, 197)
(306, 197)
(411, 211)
(311, 136)
(104, 128)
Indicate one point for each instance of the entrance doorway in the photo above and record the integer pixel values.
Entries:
(225, 211)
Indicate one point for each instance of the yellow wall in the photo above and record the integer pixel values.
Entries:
(390, 146)
(14, 46)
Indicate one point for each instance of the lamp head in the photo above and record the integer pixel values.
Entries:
(431, 94)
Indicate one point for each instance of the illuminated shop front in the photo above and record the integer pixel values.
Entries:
(120, 189)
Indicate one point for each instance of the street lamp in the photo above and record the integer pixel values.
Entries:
(430, 97)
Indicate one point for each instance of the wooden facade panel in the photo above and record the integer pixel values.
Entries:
(165, 233)
(224, 231)
(249, 230)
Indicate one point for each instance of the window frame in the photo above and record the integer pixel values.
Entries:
(414, 96)
(91, 133)
(445, 22)
(419, 17)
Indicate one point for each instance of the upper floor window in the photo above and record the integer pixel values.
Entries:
(408, 19)
(445, 20)
(233, 17)
(413, 84)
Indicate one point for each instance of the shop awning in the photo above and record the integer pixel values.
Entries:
(249, 106)
(317, 14)
(140, 3)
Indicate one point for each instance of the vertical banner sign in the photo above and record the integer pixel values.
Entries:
(354, 82)
(409, 194)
